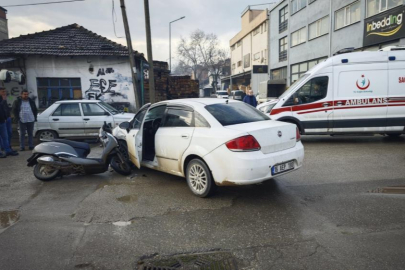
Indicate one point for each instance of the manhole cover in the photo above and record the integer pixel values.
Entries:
(390, 190)
(203, 261)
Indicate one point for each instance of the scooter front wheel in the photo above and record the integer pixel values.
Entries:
(45, 172)
(120, 167)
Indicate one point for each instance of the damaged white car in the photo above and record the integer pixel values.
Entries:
(211, 142)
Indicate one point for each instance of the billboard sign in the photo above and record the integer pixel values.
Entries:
(384, 27)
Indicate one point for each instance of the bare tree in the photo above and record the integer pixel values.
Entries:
(201, 52)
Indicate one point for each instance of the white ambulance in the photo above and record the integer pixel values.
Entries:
(352, 93)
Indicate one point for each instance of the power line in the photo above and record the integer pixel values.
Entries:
(46, 3)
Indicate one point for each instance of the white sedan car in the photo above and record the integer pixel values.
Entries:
(77, 118)
(211, 142)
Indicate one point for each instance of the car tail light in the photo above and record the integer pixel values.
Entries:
(245, 143)
(298, 136)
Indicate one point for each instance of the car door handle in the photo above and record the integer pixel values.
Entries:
(326, 104)
(340, 103)
(55, 119)
(185, 136)
(86, 119)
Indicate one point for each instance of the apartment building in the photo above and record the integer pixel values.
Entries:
(249, 50)
(305, 32)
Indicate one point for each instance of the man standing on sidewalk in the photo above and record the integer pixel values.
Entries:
(250, 99)
(5, 143)
(3, 101)
(25, 112)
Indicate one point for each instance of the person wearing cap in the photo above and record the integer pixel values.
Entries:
(5, 143)
(25, 113)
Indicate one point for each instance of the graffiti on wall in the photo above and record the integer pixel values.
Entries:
(109, 86)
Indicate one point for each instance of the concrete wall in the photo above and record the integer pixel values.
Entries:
(110, 81)
(275, 36)
(351, 35)
(311, 49)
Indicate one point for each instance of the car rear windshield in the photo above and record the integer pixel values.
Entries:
(224, 93)
(235, 113)
(239, 93)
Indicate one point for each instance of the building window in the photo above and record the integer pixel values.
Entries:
(232, 47)
(347, 15)
(256, 56)
(246, 60)
(298, 70)
(239, 43)
(283, 49)
(319, 28)
(283, 23)
(256, 31)
(51, 90)
(278, 74)
(233, 66)
(299, 37)
(239, 63)
(297, 5)
(377, 6)
(265, 27)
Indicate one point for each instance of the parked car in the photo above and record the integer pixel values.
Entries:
(211, 142)
(360, 92)
(222, 94)
(77, 118)
(237, 95)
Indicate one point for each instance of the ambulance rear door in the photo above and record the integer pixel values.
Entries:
(396, 92)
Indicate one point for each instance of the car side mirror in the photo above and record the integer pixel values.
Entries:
(125, 125)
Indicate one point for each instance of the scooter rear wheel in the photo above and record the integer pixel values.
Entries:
(45, 173)
(120, 167)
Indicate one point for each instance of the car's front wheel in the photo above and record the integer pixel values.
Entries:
(199, 178)
(47, 135)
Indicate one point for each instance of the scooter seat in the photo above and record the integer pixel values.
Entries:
(82, 149)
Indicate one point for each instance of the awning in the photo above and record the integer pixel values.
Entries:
(6, 59)
(282, 81)
(236, 76)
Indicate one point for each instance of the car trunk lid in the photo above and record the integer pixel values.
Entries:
(273, 136)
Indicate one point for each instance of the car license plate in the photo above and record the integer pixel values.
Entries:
(283, 167)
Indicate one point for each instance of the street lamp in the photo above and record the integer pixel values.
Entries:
(170, 40)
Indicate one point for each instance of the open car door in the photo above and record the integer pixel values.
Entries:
(134, 137)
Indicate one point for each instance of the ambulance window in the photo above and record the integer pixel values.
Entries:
(314, 90)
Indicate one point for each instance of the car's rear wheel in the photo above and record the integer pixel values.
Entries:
(199, 178)
(45, 172)
(47, 135)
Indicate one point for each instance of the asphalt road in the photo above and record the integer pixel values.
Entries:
(330, 214)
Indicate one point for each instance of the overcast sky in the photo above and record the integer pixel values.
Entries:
(221, 17)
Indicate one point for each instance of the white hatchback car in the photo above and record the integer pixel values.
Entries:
(211, 141)
(77, 118)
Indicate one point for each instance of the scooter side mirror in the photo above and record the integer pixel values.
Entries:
(125, 125)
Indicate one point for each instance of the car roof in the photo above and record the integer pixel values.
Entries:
(77, 100)
(195, 101)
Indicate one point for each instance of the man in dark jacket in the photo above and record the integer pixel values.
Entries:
(25, 112)
(3, 101)
(250, 99)
(4, 137)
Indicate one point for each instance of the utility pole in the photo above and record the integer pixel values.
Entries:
(131, 53)
(150, 56)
